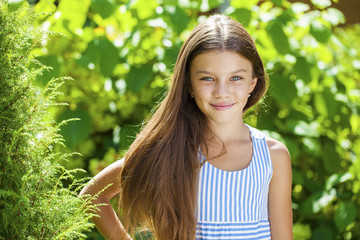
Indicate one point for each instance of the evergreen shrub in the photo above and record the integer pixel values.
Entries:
(38, 197)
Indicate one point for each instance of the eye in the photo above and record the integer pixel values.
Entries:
(207, 79)
(236, 78)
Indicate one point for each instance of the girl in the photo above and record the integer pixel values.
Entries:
(196, 170)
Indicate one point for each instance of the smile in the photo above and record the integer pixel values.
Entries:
(222, 106)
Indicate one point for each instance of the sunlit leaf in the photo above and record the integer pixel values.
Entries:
(302, 128)
(336, 179)
(312, 144)
(321, 32)
(72, 14)
(301, 231)
(14, 5)
(244, 4)
(317, 201)
(44, 6)
(243, 15)
(143, 8)
(334, 16)
(321, 3)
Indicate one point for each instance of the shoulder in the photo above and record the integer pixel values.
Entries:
(277, 148)
(280, 156)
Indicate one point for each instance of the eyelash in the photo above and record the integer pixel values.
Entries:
(238, 78)
(232, 78)
(207, 79)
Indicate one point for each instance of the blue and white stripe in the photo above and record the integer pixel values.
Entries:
(234, 204)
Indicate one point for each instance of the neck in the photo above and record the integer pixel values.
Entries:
(228, 132)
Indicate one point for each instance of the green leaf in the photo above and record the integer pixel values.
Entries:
(127, 135)
(278, 37)
(242, 15)
(326, 104)
(331, 158)
(75, 131)
(298, 177)
(44, 6)
(312, 144)
(51, 61)
(321, 3)
(213, 4)
(15, 5)
(344, 215)
(138, 77)
(336, 179)
(179, 19)
(293, 147)
(108, 57)
(244, 4)
(317, 201)
(334, 16)
(320, 104)
(302, 69)
(103, 7)
(301, 231)
(143, 8)
(323, 232)
(278, 3)
(103, 54)
(302, 128)
(287, 16)
(73, 14)
(320, 32)
(282, 89)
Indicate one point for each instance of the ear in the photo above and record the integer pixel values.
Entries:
(252, 85)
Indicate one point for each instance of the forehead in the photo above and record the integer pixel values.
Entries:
(220, 61)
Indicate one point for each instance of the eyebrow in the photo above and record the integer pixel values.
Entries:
(234, 72)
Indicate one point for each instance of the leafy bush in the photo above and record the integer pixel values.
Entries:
(38, 196)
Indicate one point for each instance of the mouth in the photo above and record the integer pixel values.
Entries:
(222, 106)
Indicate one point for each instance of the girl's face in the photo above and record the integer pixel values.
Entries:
(220, 83)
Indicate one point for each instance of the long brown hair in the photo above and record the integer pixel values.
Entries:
(160, 171)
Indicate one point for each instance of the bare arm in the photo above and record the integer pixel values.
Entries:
(108, 223)
(280, 209)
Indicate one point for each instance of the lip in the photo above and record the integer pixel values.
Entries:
(224, 106)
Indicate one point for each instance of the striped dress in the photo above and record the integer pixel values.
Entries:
(234, 204)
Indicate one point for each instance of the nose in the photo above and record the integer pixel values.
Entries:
(222, 89)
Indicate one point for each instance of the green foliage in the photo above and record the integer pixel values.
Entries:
(122, 52)
(38, 196)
